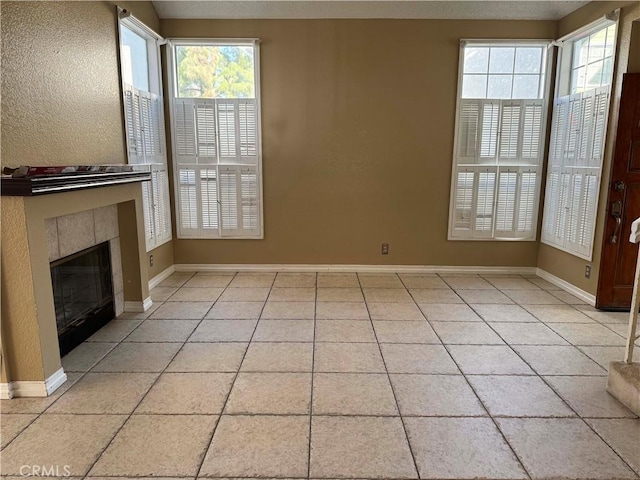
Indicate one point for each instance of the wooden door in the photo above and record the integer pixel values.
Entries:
(617, 265)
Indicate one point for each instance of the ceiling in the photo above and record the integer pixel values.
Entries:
(451, 9)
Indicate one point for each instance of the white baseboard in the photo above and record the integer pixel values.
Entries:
(33, 388)
(567, 287)
(6, 391)
(137, 306)
(54, 381)
(204, 267)
(158, 279)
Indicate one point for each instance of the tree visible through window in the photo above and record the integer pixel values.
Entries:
(215, 71)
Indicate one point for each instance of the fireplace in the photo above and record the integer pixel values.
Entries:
(83, 294)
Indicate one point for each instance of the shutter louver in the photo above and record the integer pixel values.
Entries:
(227, 128)
(573, 204)
(489, 130)
(248, 121)
(509, 131)
(551, 204)
(527, 201)
(206, 132)
(468, 131)
(586, 121)
(188, 199)
(161, 204)
(486, 186)
(506, 205)
(133, 125)
(601, 102)
(147, 210)
(229, 200)
(184, 132)
(463, 201)
(588, 212)
(209, 198)
(249, 193)
(532, 132)
(558, 131)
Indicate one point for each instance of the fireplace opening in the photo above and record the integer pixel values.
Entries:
(83, 295)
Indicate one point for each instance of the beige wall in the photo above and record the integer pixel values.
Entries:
(566, 266)
(61, 99)
(358, 126)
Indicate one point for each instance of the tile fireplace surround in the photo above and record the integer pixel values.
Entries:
(40, 229)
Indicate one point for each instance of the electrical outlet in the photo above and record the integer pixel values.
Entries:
(587, 271)
(151, 260)
(385, 249)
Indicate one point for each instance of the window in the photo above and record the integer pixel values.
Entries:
(499, 141)
(578, 128)
(144, 123)
(216, 139)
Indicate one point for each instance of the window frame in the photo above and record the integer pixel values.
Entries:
(173, 88)
(545, 91)
(563, 89)
(156, 168)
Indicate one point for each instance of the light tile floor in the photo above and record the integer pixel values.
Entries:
(338, 376)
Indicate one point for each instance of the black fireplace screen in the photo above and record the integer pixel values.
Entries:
(83, 294)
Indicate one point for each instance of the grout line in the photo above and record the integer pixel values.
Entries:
(393, 392)
(495, 423)
(541, 377)
(235, 378)
(126, 421)
(313, 368)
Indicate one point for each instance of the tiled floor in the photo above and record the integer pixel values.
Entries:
(338, 376)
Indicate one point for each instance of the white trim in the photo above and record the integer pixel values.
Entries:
(567, 287)
(162, 276)
(54, 381)
(6, 391)
(218, 267)
(138, 306)
(33, 388)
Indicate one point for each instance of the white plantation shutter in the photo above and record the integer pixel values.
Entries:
(510, 131)
(144, 124)
(184, 131)
(161, 203)
(209, 198)
(463, 202)
(206, 134)
(573, 178)
(218, 176)
(496, 180)
(489, 130)
(133, 124)
(147, 210)
(187, 196)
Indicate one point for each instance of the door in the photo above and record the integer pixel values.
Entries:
(617, 265)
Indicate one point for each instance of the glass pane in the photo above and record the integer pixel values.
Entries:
(580, 50)
(611, 39)
(528, 60)
(525, 86)
(215, 71)
(499, 86)
(476, 59)
(134, 60)
(594, 75)
(501, 60)
(474, 86)
(607, 71)
(596, 45)
(578, 79)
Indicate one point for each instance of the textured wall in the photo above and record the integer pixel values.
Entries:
(61, 99)
(358, 126)
(559, 263)
(60, 86)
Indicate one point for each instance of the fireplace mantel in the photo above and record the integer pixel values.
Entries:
(30, 352)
